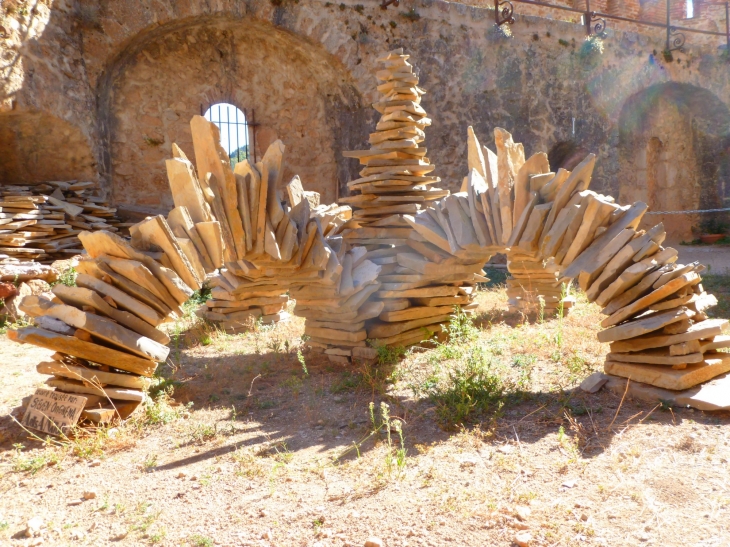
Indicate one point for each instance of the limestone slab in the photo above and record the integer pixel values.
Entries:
(668, 378)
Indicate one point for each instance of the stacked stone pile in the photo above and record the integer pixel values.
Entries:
(104, 329)
(517, 183)
(336, 315)
(557, 231)
(42, 221)
(419, 281)
(269, 243)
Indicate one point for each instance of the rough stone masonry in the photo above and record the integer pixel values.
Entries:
(100, 90)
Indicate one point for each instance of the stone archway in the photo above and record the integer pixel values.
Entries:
(297, 90)
(672, 141)
(37, 146)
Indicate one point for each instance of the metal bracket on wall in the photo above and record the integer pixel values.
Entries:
(387, 3)
(595, 25)
(503, 12)
(675, 40)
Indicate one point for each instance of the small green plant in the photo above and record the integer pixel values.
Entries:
(200, 541)
(150, 462)
(713, 225)
(33, 463)
(153, 142)
(389, 355)
(561, 315)
(348, 381)
(300, 358)
(203, 432)
(67, 277)
(396, 457)
(563, 43)
(159, 409)
(157, 537)
(4, 525)
(393, 24)
(412, 15)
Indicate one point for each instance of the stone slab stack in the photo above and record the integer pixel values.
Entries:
(556, 231)
(420, 283)
(534, 288)
(270, 237)
(42, 221)
(104, 331)
(513, 186)
(336, 314)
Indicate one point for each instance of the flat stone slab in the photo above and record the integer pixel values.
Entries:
(594, 382)
(713, 395)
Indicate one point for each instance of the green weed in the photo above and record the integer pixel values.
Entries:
(33, 463)
(200, 541)
(300, 358)
(396, 457)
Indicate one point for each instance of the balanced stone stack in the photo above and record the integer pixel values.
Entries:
(267, 243)
(420, 281)
(42, 221)
(336, 314)
(395, 180)
(104, 330)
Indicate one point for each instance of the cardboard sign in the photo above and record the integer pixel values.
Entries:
(53, 412)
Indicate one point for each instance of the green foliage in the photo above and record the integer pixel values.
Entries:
(201, 433)
(159, 409)
(497, 278)
(563, 43)
(300, 358)
(200, 541)
(348, 381)
(472, 386)
(33, 463)
(389, 355)
(412, 15)
(396, 454)
(67, 277)
(238, 155)
(713, 225)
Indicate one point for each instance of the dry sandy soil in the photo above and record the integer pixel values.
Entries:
(498, 440)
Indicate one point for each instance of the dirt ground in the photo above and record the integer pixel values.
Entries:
(261, 447)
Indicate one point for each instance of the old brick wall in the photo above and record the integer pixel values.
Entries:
(127, 76)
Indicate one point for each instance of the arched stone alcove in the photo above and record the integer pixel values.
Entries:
(293, 90)
(672, 141)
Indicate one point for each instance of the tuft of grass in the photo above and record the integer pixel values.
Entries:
(32, 463)
(197, 540)
(67, 277)
(396, 454)
(300, 358)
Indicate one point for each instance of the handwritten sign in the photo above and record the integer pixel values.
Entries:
(53, 412)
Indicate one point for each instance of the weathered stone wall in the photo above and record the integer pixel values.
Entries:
(293, 92)
(128, 76)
